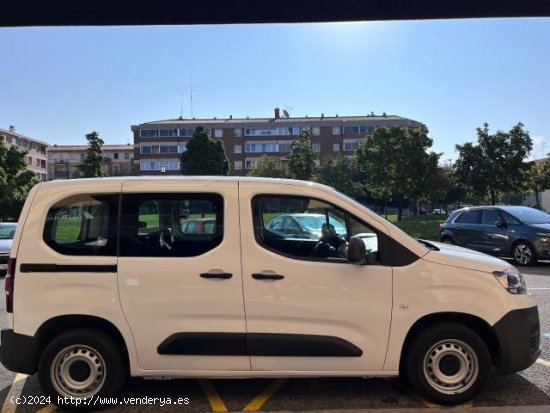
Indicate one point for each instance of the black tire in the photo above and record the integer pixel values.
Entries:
(524, 254)
(85, 358)
(447, 363)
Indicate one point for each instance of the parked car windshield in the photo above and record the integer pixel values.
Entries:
(7, 231)
(530, 216)
(314, 222)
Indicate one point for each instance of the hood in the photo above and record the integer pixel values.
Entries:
(464, 258)
(541, 228)
(5, 245)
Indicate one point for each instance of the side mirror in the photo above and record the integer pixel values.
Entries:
(357, 252)
(500, 224)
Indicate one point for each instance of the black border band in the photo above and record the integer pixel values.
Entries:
(67, 268)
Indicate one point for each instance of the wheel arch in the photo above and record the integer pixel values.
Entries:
(60, 324)
(478, 325)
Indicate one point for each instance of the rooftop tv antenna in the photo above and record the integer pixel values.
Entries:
(189, 88)
(286, 114)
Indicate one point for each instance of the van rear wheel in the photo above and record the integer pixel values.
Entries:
(448, 363)
(81, 364)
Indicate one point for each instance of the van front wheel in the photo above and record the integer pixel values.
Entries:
(448, 363)
(81, 364)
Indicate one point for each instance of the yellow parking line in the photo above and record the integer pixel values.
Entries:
(47, 409)
(544, 362)
(15, 391)
(258, 401)
(214, 398)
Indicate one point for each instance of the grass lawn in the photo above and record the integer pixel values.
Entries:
(422, 226)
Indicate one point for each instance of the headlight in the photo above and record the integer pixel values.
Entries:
(512, 281)
(544, 237)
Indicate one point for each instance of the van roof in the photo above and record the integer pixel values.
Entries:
(195, 178)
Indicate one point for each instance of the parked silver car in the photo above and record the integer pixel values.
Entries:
(7, 231)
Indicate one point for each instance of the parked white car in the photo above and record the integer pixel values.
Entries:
(103, 284)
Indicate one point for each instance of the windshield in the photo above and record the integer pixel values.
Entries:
(7, 231)
(315, 223)
(530, 216)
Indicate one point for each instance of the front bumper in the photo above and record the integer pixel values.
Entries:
(17, 352)
(518, 334)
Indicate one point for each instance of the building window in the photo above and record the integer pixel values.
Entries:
(29, 161)
(126, 155)
(352, 145)
(145, 149)
(168, 149)
(115, 155)
(182, 147)
(148, 133)
(336, 130)
(351, 130)
(186, 132)
(260, 132)
(238, 165)
(218, 133)
(336, 147)
(237, 132)
(316, 131)
(316, 147)
(168, 133)
(261, 147)
(159, 165)
(237, 149)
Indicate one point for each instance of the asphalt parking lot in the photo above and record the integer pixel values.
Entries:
(528, 390)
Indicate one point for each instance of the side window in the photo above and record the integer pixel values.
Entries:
(490, 217)
(170, 225)
(469, 217)
(83, 225)
(309, 229)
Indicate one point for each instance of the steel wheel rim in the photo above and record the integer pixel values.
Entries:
(62, 371)
(523, 254)
(465, 359)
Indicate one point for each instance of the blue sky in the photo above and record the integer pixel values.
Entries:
(57, 84)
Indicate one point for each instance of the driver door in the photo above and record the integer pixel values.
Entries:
(305, 312)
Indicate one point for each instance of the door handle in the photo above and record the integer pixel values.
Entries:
(216, 275)
(263, 276)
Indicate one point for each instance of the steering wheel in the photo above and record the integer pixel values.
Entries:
(167, 238)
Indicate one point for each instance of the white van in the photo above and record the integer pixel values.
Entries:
(281, 278)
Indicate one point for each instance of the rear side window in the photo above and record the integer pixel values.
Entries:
(469, 217)
(170, 225)
(83, 225)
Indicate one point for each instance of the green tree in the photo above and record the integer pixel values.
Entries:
(15, 181)
(439, 184)
(496, 163)
(396, 162)
(301, 162)
(539, 178)
(92, 165)
(270, 166)
(204, 155)
(341, 174)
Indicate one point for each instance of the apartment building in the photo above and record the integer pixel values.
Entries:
(36, 156)
(158, 145)
(63, 160)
